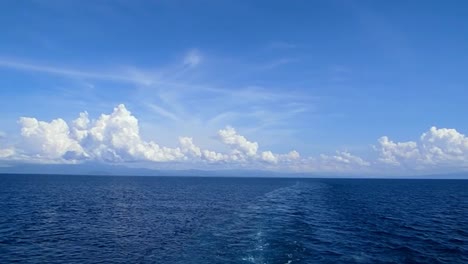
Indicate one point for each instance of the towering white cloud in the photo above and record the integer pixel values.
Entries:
(436, 147)
(444, 145)
(80, 126)
(115, 137)
(49, 140)
(396, 153)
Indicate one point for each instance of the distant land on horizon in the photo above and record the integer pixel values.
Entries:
(93, 169)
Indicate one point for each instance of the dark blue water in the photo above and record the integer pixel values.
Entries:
(89, 219)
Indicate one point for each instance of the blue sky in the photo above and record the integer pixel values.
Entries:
(325, 79)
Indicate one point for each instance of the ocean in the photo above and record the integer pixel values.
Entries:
(110, 219)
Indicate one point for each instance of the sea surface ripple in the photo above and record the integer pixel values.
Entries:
(103, 219)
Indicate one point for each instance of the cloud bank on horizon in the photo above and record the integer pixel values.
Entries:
(346, 87)
(115, 138)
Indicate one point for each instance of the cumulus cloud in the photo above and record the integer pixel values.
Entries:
(116, 138)
(435, 148)
(291, 156)
(268, 156)
(213, 156)
(52, 140)
(189, 147)
(271, 157)
(239, 143)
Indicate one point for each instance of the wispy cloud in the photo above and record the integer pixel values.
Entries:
(163, 112)
(193, 58)
(277, 63)
(24, 66)
(171, 92)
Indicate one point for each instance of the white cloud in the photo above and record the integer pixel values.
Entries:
(188, 147)
(442, 145)
(125, 74)
(435, 148)
(48, 140)
(115, 137)
(80, 126)
(230, 137)
(213, 156)
(343, 158)
(293, 155)
(288, 158)
(395, 153)
(268, 156)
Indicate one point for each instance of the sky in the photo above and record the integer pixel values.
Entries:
(337, 86)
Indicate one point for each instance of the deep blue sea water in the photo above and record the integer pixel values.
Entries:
(91, 219)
